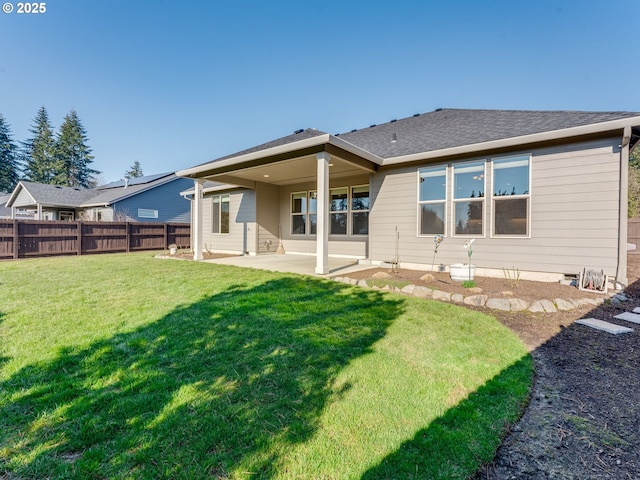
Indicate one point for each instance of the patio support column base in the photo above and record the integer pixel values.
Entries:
(322, 228)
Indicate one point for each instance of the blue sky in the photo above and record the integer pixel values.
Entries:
(173, 84)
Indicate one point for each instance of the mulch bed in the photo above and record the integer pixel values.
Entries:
(582, 420)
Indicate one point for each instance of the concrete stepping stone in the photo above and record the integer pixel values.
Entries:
(629, 317)
(605, 326)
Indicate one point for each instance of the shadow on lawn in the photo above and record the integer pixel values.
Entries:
(224, 385)
(443, 447)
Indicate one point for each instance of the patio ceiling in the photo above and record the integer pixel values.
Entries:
(285, 172)
(295, 162)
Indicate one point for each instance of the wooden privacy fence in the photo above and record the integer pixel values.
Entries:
(31, 238)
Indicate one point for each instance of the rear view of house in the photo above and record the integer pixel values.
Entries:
(544, 192)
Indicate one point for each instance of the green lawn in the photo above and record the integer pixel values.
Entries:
(127, 366)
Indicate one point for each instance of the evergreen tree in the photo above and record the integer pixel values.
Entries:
(134, 171)
(39, 151)
(74, 155)
(9, 164)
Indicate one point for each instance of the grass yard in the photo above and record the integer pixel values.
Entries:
(127, 366)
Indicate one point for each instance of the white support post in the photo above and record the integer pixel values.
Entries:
(196, 224)
(322, 229)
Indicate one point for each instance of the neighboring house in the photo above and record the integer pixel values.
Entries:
(543, 192)
(4, 211)
(153, 198)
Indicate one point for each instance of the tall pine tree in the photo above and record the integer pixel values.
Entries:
(39, 150)
(74, 155)
(135, 171)
(9, 164)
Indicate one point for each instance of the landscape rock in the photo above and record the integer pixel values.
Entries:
(408, 289)
(440, 295)
(362, 283)
(518, 304)
(422, 292)
(499, 303)
(476, 300)
(621, 297)
(563, 305)
(543, 306)
(381, 275)
(591, 301)
(427, 277)
(457, 297)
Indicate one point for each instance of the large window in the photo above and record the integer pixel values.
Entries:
(299, 213)
(220, 214)
(338, 207)
(511, 196)
(360, 210)
(348, 211)
(468, 198)
(432, 200)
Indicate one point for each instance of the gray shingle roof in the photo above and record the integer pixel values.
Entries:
(57, 195)
(447, 128)
(294, 137)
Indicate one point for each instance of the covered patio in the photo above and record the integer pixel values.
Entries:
(308, 155)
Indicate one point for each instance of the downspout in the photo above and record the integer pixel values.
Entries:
(623, 221)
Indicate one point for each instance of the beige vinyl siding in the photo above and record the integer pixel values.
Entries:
(573, 215)
(267, 217)
(395, 209)
(23, 199)
(241, 237)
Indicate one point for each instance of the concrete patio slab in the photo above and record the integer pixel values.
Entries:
(604, 326)
(289, 263)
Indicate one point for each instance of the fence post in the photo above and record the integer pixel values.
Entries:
(16, 240)
(79, 237)
(166, 236)
(127, 225)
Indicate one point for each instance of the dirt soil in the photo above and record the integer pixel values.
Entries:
(582, 421)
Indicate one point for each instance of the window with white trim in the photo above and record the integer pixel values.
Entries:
(66, 215)
(348, 211)
(468, 198)
(511, 196)
(432, 194)
(313, 215)
(147, 213)
(360, 210)
(220, 214)
(338, 208)
(299, 213)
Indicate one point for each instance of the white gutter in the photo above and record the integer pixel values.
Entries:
(217, 188)
(516, 141)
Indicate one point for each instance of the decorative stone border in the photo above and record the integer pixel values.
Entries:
(507, 304)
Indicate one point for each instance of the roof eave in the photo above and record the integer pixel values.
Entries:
(147, 187)
(592, 129)
(282, 152)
